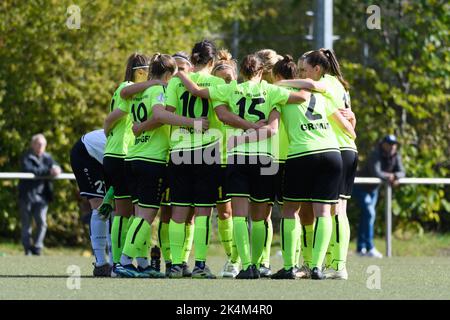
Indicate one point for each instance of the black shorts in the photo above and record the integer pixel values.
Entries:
(349, 166)
(116, 176)
(131, 183)
(313, 178)
(252, 177)
(222, 187)
(279, 181)
(88, 172)
(193, 183)
(148, 180)
(165, 196)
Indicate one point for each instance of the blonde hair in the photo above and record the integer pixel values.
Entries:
(268, 57)
(224, 60)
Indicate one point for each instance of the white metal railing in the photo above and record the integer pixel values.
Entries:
(358, 180)
(388, 208)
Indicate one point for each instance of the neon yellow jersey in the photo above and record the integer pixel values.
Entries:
(283, 142)
(253, 102)
(187, 105)
(307, 126)
(340, 99)
(152, 145)
(120, 136)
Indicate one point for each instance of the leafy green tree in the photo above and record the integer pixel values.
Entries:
(400, 81)
(58, 81)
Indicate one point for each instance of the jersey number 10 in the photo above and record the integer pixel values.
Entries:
(140, 114)
(189, 105)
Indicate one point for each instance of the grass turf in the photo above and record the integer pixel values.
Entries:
(410, 274)
(401, 278)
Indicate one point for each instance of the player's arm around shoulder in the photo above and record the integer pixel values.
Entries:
(262, 133)
(192, 87)
(112, 119)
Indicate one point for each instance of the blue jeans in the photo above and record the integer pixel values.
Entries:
(37, 211)
(367, 202)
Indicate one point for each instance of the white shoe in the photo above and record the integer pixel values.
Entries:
(362, 253)
(330, 273)
(374, 253)
(229, 270)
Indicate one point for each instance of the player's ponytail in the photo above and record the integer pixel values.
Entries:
(224, 55)
(250, 66)
(224, 60)
(162, 63)
(268, 57)
(203, 52)
(135, 61)
(286, 68)
(327, 60)
(335, 69)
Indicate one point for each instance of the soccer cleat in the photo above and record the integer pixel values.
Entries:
(304, 272)
(107, 205)
(250, 273)
(187, 273)
(168, 266)
(155, 255)
(336, 274)
(113, 271)
(257, 273)
(202, 273)
(264, 271)
(229, 270)
(176, 271)
(316, 274)
(284, 274)
(151, 272)
(374, 253)
(102, 271)
(127, 271)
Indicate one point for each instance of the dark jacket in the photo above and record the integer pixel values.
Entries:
(39, 190)
(379, 165)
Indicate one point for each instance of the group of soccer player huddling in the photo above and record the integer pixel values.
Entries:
(187, 134)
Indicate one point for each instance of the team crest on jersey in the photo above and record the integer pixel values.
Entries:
(161, 98)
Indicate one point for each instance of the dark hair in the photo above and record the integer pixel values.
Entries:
(285, 68)
(135, 60)
(327, 60)
(161, 63)
(250, 66)
(203, 52)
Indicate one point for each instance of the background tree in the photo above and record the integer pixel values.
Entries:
(59, 81)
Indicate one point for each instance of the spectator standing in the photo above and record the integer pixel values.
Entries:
(384, 162)
(35, 195)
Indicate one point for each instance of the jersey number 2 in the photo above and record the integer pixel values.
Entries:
(309, 112)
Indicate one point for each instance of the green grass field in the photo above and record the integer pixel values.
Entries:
(401, 277)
